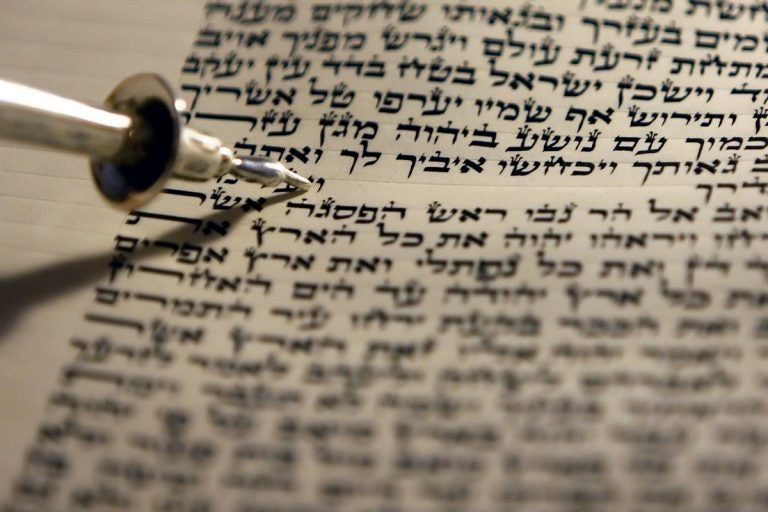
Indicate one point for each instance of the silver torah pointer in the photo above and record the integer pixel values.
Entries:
(134, 143)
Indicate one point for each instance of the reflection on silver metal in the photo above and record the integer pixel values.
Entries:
(267, 172)
(37, 117)
(135, 144)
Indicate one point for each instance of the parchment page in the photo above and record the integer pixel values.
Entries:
(55, 231)
(528, 275)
